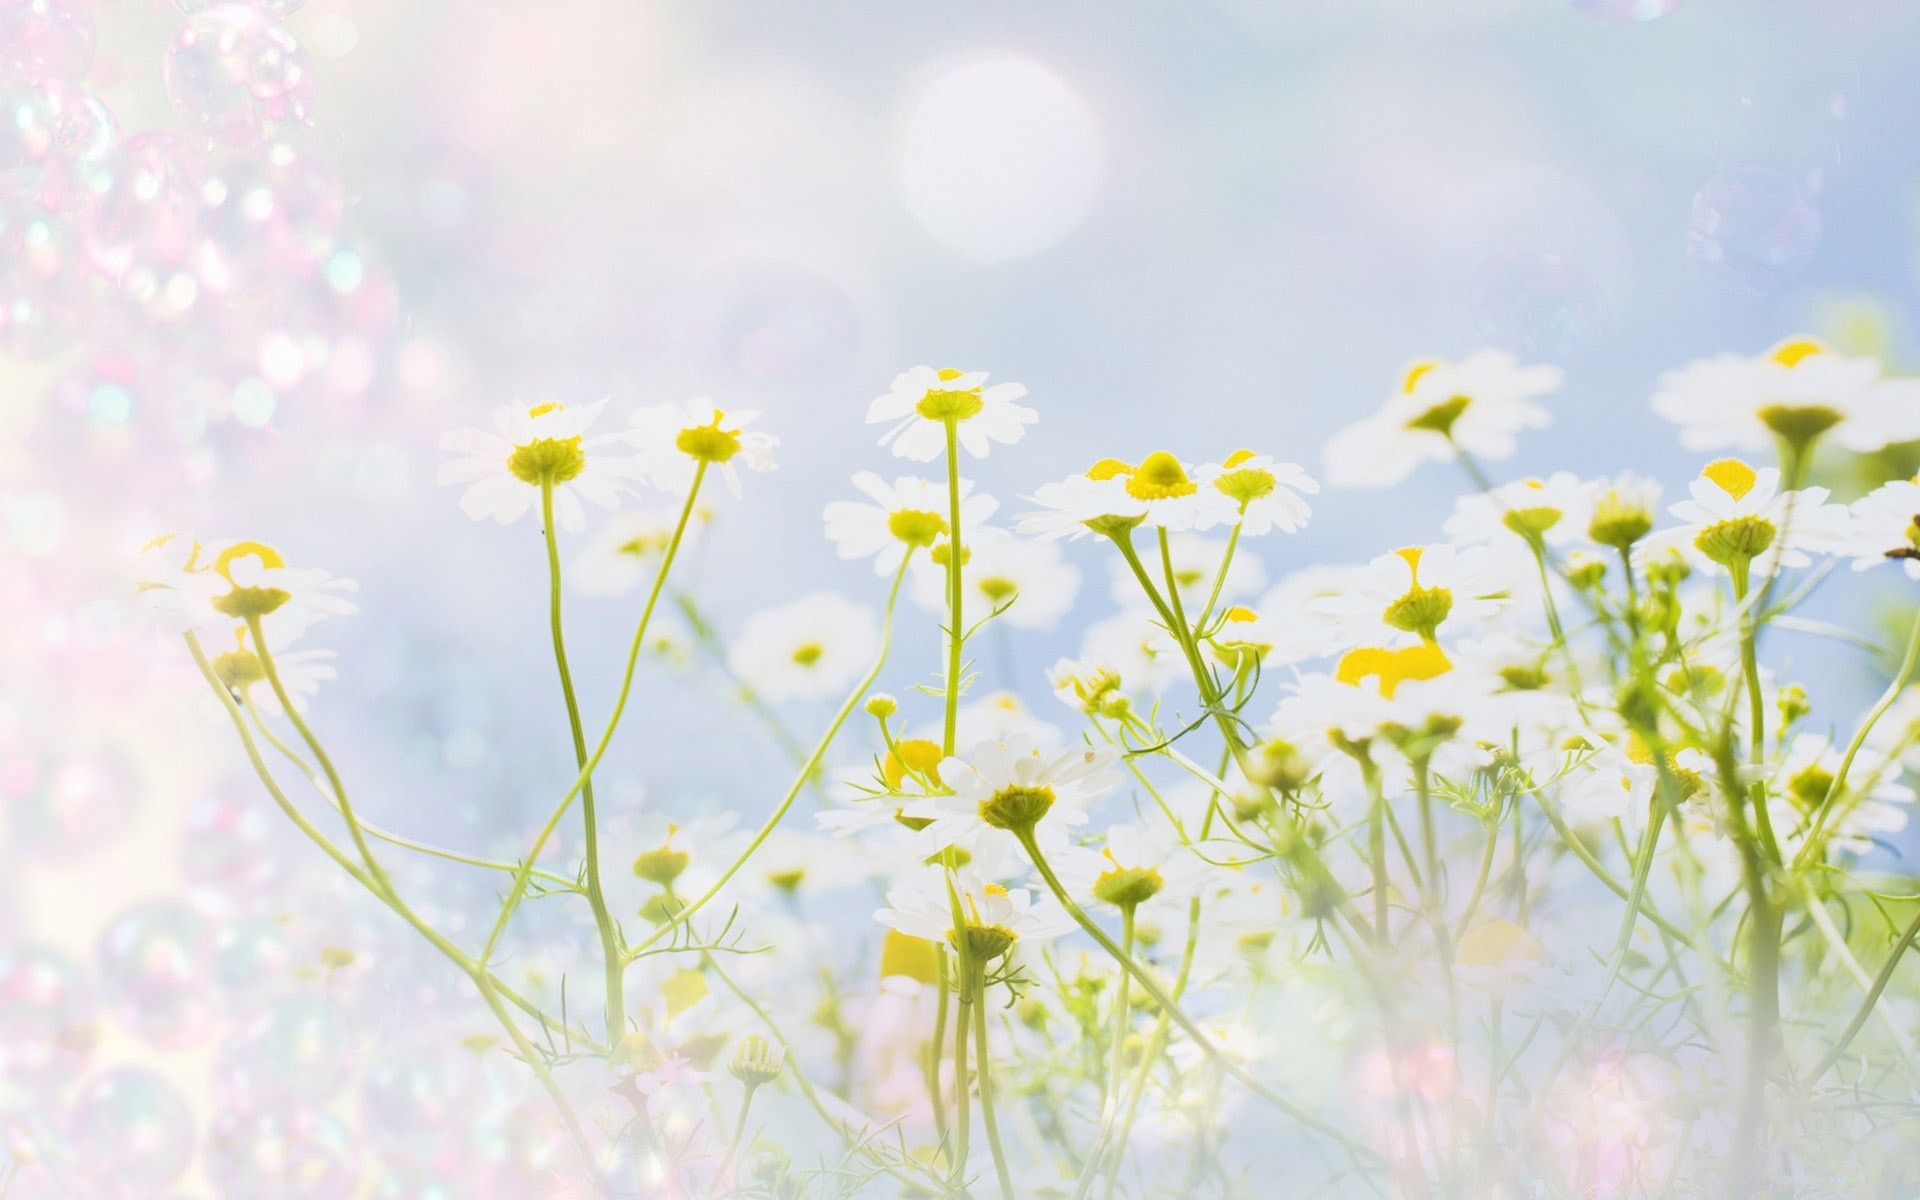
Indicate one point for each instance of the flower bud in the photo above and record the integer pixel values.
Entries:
(756, 1063)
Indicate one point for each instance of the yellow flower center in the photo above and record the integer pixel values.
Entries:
(1416, 372)
(545, 407)
(1795, 350)
(709, 443)
(941, 404)
(547, 461)
(808, 654)
(915, 755)
(268, 556)
(244, 602)
(916, 526)
(1392, 667)
(1731, 476)
(1160, 477)
(997, 589)
(1108, 468)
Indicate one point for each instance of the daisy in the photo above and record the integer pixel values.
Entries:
(210, 585)
(541, 446)
(1477, 405)
(1196, 563)
(301, 673)
(1131, 867)
(675, 440)
(1798, 391)
(1738, 515)
(1416, 590)
(806, 649)
(1868, 809)
(1030, 583)
(1294, 628)
(1553, 510)
(1112, 497)
(624, 550)
(1266, 492)
(1410, 696)
(1885, 524)
(907, 514)
(1137, 648)
(1015, 786)
(923, 401)
(1088, 685)
(993, 919)
(1622, 510)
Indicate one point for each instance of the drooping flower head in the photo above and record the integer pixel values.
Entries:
(1796, 392)
(1477, 405)
(544, 445)
(907, 514)
(924, 401)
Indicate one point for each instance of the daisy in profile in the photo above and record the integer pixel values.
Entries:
(1132, 866)
(807, 649)
(1884, 525)
(1553, 510)
(674, 440)
(1135, 646)
(1794, 393)
(212, 585)
(1416, 590)
(541, 446)
(239, 670)
(907, 514)
(1476, 405)
(624, 550)
(993, 919)
(1113, 496)
(1030, 582)
(1868, 809)
(923, 402)
(1015, 786)
(1738, 516)
(1268, 493)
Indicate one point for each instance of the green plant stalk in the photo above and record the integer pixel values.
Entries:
(956, 629)
(936, 1046)
(519, 886)
(474, 971)
(1908, 661)
(984, 1070)
(614, 973)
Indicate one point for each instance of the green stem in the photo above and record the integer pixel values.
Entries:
(1756, 710)
(988, 1121)
(936, 1047)
(1867, 1005)
(614, 970)
(1908, 661)
(962, 1087)
(956, 629)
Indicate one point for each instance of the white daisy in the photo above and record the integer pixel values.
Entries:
(1114, 496)
(1478, 405)
(1869, 808)
(1555, 509)
(1885, 524)
(1738, 514)
(1031, 579)
(998, 716)
(1013, 784)
(1134, 646)
(210, 585)
(922, 401)
(1797, 391)
(541, 445)
(1131, 866)
(906, 514)
(673, 440)
(806, 649)
(1266, 492)
(1416, 590)
(625, 549)
(993, 917)
(240, 670)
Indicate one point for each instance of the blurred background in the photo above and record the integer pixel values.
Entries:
(259, 257)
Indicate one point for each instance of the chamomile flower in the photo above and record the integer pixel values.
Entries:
(214, 584)
(1739, 515)
(1112, 497)
(1267, 493)
(1131, 866)
(1136, 647)
(993, 919)
(923, 401)
(544, 445)
(1884, 524)
(1554, 510)
(1477, 405)
(1416, 590)
(1196, 563)
(626, 549)
(242, 673)
(1031, 581)
(1087, 685)
(1622, 510)
(1869, 808)
(675, 440)
(1014, 785)
(1410, 696)
(905, 515)
(806, 649)
(1798, 391)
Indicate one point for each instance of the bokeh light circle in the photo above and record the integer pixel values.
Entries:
(1753, 227)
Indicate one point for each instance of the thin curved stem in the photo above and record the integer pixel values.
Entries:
(956, 626)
